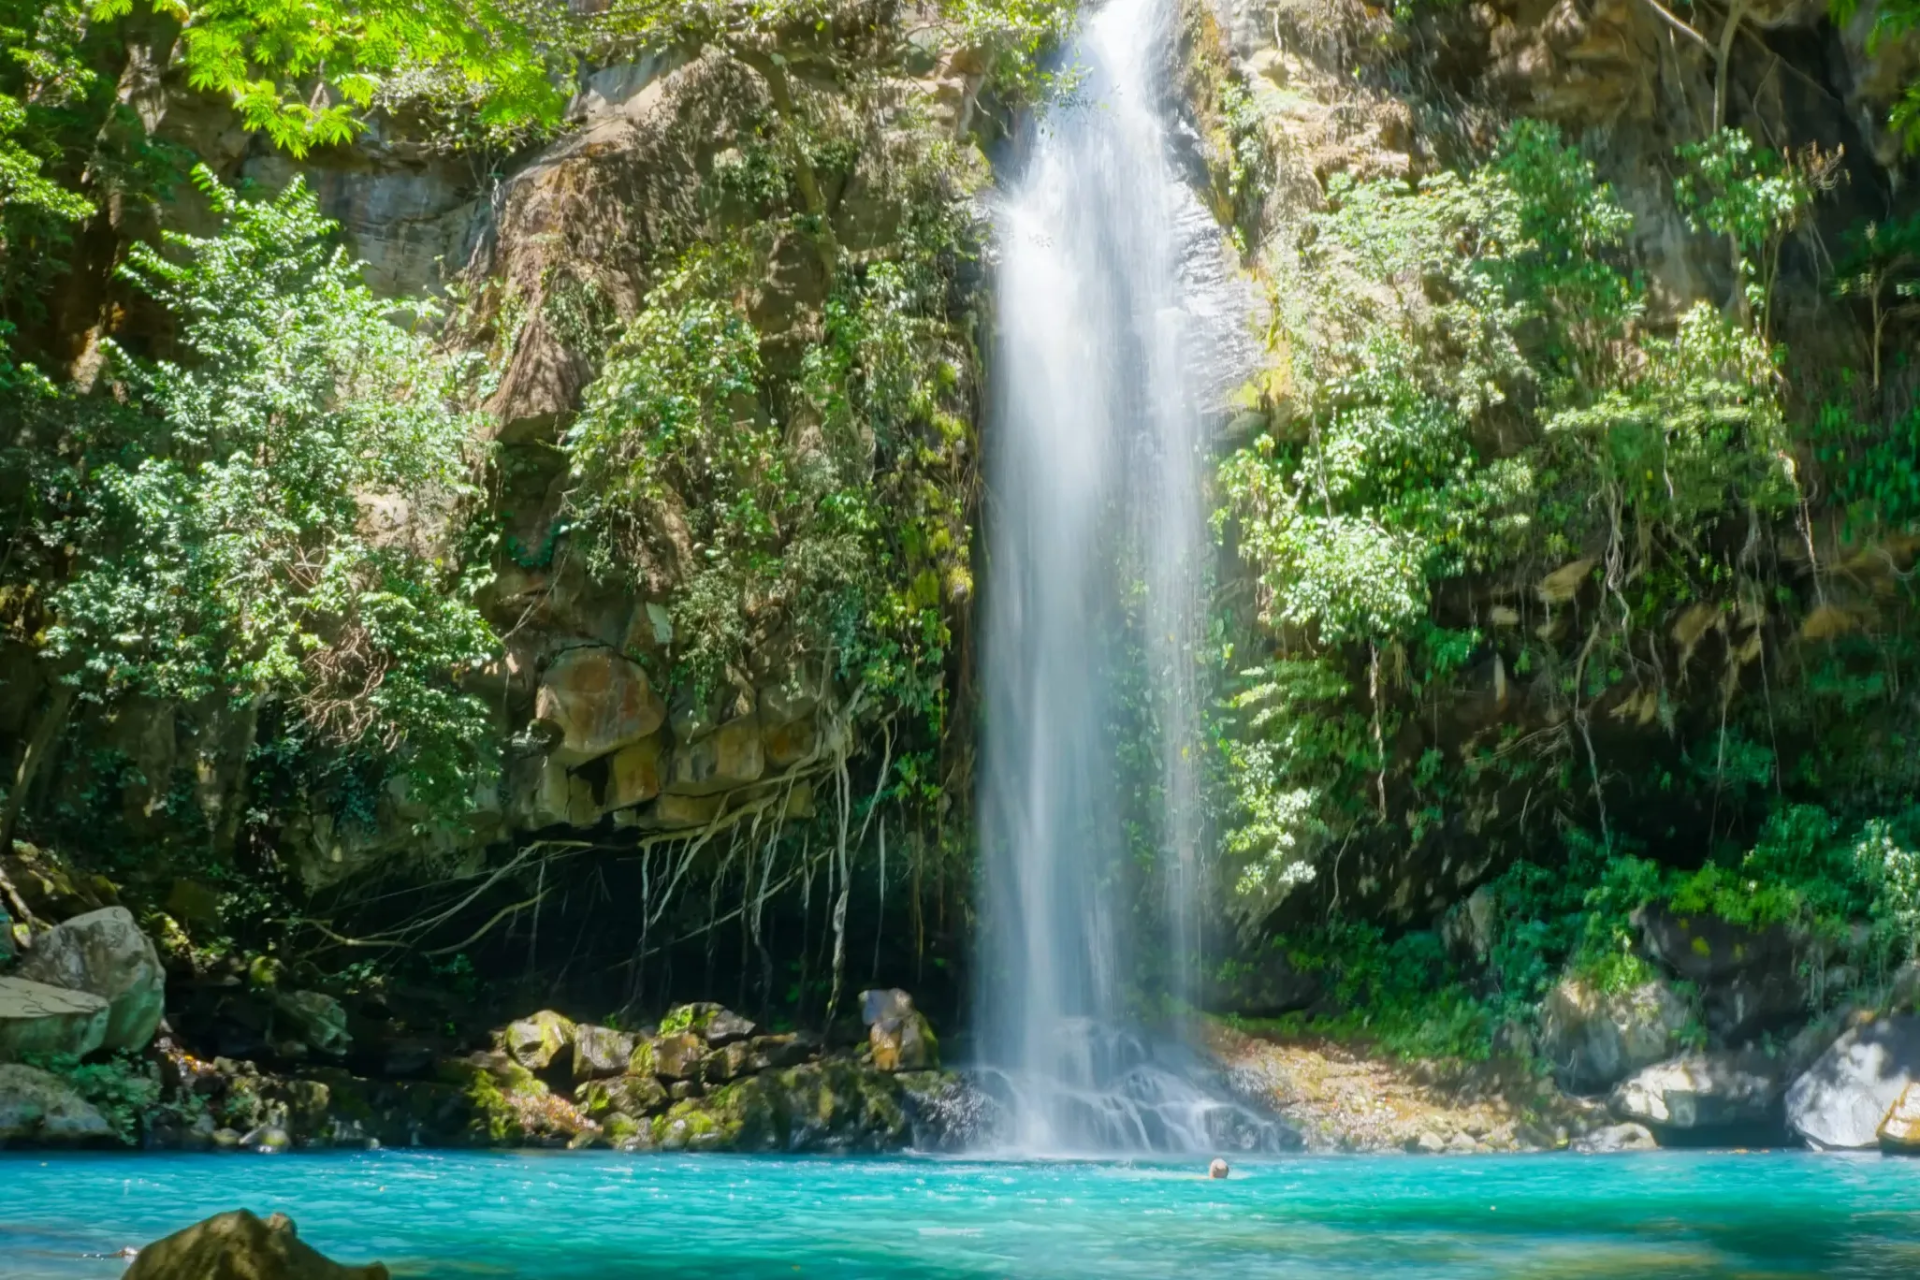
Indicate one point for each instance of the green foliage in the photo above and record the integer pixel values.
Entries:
(1751, 195)
(1881, 265)
(123, 1089)
(1463, 384)
(266, 55)
(226, 538)
(1403, 994)
(1892, 19)
(808, 516)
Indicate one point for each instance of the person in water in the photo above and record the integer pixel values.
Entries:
(1218, 1169)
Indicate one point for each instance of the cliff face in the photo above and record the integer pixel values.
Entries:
(1634, 690)
(713, 664)
(730, 702)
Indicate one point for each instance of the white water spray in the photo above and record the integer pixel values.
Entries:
(1117, 327)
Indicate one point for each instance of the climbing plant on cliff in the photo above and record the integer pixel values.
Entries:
(1469, 386)
(227, 540)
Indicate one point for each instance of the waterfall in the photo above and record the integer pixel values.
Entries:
(1117, 327)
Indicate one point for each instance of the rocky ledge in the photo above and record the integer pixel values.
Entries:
(704, 1078)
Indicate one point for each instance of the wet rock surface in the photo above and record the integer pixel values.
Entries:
(105, 954)
(1841, 1100)
(241, 1246)
(1704, 1093)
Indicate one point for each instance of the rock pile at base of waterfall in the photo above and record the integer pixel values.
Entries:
(705, 1078)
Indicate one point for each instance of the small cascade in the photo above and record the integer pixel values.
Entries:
(1119, 328)
(1116, 1090)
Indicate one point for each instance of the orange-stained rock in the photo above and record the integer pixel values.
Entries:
(600, 701)
(1900, 1130)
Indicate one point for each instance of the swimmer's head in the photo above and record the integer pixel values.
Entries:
(1218, 1169)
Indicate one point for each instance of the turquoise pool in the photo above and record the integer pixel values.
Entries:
(561, 1216)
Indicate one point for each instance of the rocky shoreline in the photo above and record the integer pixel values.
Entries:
(90, 1054)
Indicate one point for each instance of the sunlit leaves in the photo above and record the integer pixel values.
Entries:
(226, 550)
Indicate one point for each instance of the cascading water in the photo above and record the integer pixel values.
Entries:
(1117, 325)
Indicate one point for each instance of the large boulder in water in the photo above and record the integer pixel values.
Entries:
(1838, 1104)
(105, 954)
(1596, 1038)
(1702, 1091)
(39, 1107)
(240, 1246)
(37, 1020)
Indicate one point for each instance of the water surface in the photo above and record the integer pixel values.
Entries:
(561, 1216)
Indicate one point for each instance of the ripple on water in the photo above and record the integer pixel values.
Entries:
(583, 1216)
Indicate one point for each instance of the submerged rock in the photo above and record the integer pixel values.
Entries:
(104, 953)
(1702, 1091)
(37, 1020)
(1615, 1138)
(1595, 1038)
(240, 1246)
(37, 1106)
(1839, 1103)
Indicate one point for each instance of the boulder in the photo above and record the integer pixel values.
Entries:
(1705, 949)
(1615, 1138)
(1748, 1004)
(600, 1052)
(731, 756)
(1903, 990)
(1702, 1091)
(37, 1020)
(1899, 1130)
(635, 773)
(673, 812)
(677, 1056)
(1264, 987)
(900, 1036)
(1748, 979)
(769, 1053)
(729, 1063)
(105, 954)
(715, 1023)
(1838, 1104)
(600, 702)
(789, 744)
(535, 1042)
(884, 1002)
(1595, 1038)
(37, 1106)
(313, 1019)
(240, 1246)
(631, 1096)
